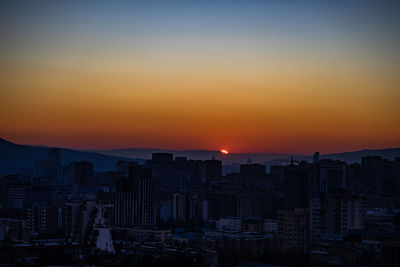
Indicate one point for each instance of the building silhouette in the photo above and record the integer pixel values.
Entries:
(135, 198)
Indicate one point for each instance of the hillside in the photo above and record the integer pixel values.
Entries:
(13, 157)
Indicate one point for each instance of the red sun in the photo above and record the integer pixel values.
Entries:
(225, 152)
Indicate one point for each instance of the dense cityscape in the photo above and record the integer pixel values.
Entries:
(174, 211)
(253, 133)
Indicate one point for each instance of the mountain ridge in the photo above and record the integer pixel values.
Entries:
(13, 156)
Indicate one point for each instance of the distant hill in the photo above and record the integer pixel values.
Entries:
(145, 153)
(14, 157)
(355, 156)
(240, 158)
(233, 160)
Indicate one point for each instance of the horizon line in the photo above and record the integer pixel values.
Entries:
(98, 150)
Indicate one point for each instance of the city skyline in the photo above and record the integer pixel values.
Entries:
(245, 77)
(200, 133)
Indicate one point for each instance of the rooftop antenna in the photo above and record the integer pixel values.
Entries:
(249, 159)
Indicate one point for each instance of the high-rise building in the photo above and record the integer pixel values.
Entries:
(44, 220)
(179, 207)
(336, 212)
(51, 167)
(145, 195)
(346, 211)
(212, 169)
(135, 199)
(252, 169)
(379, 176)
(318, 214)
(163, 170)
(162, 157)
(76, 218)
(197, 208)
(297, 186)
(328, 175)
(82, 173)
(17, 194)
(277, 173)
(124, 204)
(123, 167)
(43, 190)
(293, 227)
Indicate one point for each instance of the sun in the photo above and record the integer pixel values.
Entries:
(224, 151)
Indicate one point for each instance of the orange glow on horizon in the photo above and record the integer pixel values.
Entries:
(225, 152)
(231, 81)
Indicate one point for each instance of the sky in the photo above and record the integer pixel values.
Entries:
(246, 76)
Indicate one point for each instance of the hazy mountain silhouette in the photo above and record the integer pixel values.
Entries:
(355, 156)
(14, 157)
(240, 158)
